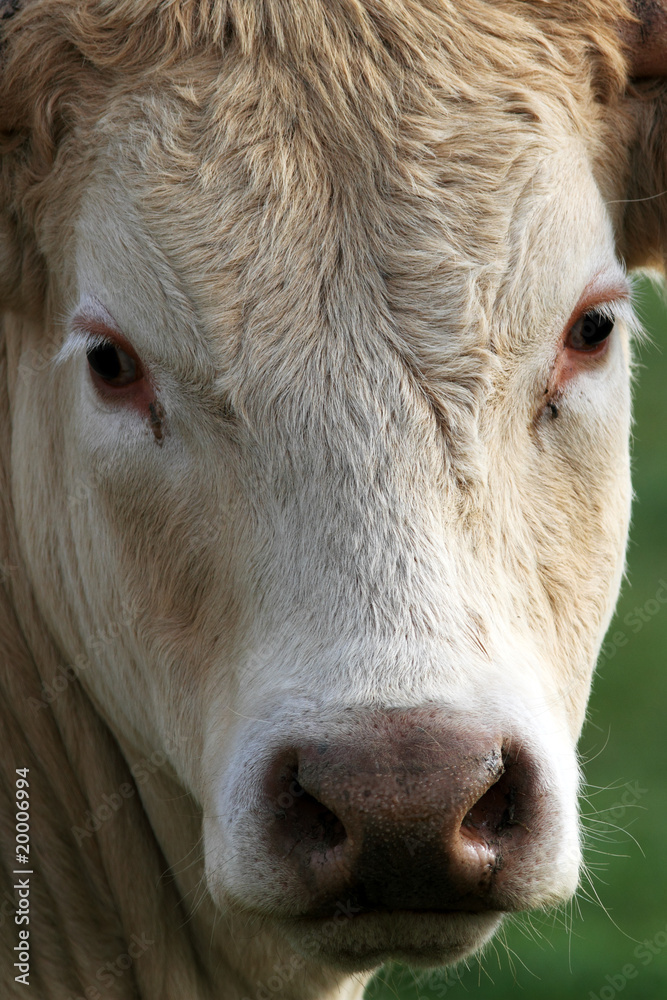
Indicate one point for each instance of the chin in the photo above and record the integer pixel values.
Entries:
(362, 941)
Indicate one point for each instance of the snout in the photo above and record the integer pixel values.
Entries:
(412, 814)
(396, 833)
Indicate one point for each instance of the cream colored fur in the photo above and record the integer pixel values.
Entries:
(347, 237)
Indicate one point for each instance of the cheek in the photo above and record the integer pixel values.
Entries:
(571, 497)
(588, 466)
(175, 537)
(592, 432)
(40, 477)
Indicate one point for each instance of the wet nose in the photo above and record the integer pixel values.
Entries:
(408, 813)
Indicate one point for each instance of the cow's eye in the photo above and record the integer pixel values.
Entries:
(590, 331)
(113, 365)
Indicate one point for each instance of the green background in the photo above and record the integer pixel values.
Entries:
(581, 952)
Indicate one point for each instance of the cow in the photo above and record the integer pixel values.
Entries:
(316, 350)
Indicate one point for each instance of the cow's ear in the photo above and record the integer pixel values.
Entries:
(644, 235)
(21, 270)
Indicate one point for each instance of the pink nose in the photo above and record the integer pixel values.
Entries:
(408, 813)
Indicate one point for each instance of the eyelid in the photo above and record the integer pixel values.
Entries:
(90, 326)
(88, 331)
(613, 300)
(80, 341)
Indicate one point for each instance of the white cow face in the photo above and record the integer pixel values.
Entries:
(345, 438)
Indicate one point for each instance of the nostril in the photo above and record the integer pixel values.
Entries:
(303, 823)
(498, 811)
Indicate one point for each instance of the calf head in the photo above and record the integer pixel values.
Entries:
(318, 367)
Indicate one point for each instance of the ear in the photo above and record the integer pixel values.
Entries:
(21, 269)
(644, 236)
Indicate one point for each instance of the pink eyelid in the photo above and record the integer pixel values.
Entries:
(601, 291)
(96, 326)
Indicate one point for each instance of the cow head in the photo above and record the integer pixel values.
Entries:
(317, 350)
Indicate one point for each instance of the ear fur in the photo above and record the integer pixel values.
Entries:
(644, 233)
(644, 242)
(21, 270)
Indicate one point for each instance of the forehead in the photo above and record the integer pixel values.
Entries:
(347, 187)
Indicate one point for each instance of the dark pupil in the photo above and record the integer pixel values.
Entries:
(596, 327)
(104, 361)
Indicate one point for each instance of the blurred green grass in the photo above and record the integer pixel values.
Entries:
(582, 953)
